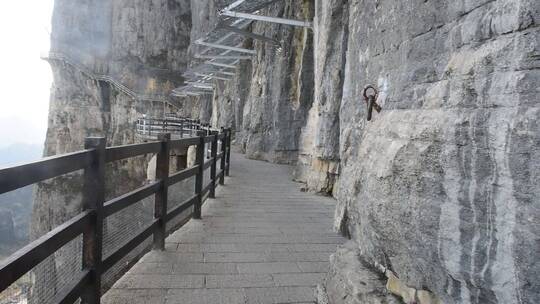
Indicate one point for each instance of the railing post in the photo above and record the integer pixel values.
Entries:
(182, 128)
(160, 201)
(213, 168)
(228, 166)
(93, 198)
(223, 156)
(199, 160)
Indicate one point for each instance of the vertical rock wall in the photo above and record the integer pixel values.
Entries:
(231, 96)
(442, 187)
(150, 41)
(318, 162)
(267, 102)
(142, 47)
(281, 89)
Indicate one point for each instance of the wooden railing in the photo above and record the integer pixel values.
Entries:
(89, 223)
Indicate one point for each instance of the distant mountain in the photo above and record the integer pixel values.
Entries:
(16, 206)
(20, 153)
(15, 130)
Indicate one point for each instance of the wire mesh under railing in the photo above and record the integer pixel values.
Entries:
(49, 278)
(50, 269)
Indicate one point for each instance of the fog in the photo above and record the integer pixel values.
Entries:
(25, 79)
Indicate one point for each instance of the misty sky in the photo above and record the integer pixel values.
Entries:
(25, 79)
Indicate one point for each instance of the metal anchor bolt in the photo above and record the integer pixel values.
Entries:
(371, 101)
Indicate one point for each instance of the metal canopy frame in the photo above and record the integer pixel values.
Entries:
(200, 56)
(223, 65)
(186, 94)
(240, 23)
(201, 85)
(226, 73)
(213, 76)
(250, 34)
(267, 19)
(224, 47)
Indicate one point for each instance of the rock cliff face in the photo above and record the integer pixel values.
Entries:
(439, 193)
(281, 88)
(442, 187)
(318, 161)
(112, 61)
(439, 190)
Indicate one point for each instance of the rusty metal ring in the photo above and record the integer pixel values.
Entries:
(376, 93)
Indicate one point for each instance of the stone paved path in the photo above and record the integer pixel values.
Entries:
(261, 240)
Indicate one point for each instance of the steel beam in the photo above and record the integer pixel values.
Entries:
(193, 82)
(267, 19)
(223, 65)
(250, 34)
(203, 86)
(212, 76)
(218, 70)
(234, 5)
(228, 35)
(199, 56)
(226, 73)
(194, 94)
(179, 94)
(226, 47)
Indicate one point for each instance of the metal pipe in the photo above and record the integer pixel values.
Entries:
(267, 19)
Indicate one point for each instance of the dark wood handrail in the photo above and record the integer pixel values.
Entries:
(183, 175)
(130, 198)
(16, 177)
(123, 152)
(22, 261)
(89, 223)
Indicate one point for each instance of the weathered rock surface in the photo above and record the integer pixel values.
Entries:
(318, 161)
(443, 186)
(141, 46)
(281, 89)
(228, 104)
(353, 281)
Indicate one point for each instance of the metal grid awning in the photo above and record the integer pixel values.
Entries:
(222, 48)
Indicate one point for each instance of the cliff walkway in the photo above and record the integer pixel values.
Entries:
(261, 240)
(178, 238)
(99, 72)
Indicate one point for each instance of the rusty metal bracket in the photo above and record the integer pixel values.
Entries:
(371, 101)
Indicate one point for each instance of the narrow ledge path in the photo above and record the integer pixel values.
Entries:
(261, 240)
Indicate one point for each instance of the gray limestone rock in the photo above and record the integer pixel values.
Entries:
(281, 91)
(138, 45)
(443, 186)
(318, 161)
(353, 281)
